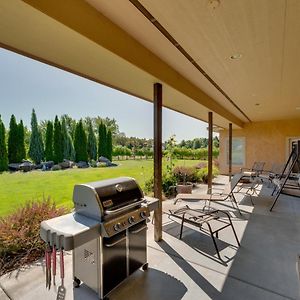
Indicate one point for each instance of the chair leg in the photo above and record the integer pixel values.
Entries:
(233, 200)
(214, 241)
(181, 228)
(235, 235)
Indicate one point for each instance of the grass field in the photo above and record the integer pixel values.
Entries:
(17, 188)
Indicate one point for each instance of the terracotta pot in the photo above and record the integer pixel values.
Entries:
(184, 188)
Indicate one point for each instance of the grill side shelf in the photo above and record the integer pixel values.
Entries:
(69, 231)
(151, 203)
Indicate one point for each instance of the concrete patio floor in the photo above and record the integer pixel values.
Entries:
(265, 266)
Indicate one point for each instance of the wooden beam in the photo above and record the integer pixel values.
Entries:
(230, 152)
(157, 101)
(210, 144)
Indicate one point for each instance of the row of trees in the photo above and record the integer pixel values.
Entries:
(84, 140)
(58, 142)
(178, 152)
(198, 143)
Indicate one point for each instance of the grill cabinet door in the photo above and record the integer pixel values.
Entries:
(114, 261)
(137, 246)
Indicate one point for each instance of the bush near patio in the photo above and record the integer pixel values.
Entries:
(20, 242)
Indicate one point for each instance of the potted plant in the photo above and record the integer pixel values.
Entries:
(183, 175)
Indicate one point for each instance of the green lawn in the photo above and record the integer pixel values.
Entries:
(17, 188)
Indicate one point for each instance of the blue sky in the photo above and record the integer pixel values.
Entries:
(27, 84)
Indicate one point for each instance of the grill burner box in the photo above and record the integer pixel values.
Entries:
(107, 232)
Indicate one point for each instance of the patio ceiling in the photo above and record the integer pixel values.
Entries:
(265, 32)
(114, 43)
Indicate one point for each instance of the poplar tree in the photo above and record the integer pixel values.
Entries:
(3, 150)
(36, 147)
(12, 143)
(109, 147)
(91, 143)
(80, 143)
(102, 149)
(49, 142)
(68, 146)
(21, 142)
(57, 142)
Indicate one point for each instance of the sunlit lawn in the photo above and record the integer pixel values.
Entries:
(17, 188)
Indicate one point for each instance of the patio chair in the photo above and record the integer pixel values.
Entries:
(226, 194)
(272, 174)
(215, 221)
(255, 171)
(252, 176)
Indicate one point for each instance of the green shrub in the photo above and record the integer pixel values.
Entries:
(167, 182)
(186, 174)
(20, 242)
(203, 173)
(101, 165)
(93, 164)
(149, 185)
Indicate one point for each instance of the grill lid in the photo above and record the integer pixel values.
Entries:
(95, 199)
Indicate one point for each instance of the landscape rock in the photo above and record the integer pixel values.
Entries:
(82, 164)
(27, 166)
(66, 164)
(105, 160)
(14, 167)
(56, 168)
(47, 165)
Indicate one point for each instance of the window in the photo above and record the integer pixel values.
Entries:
(238, 151)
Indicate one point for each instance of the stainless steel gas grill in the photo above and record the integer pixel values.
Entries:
(107, 233)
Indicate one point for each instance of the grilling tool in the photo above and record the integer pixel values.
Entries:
(54, 263)
(48, 266)
(61, 292)
(46, 263)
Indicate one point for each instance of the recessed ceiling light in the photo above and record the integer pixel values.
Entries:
(298, 107)
(236, 56)
(257, 104)
(214, 3)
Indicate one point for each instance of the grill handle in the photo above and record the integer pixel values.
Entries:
(118, 210)
(116, 242)
(139, 230)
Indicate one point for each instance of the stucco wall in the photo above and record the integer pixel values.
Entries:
(265, 141)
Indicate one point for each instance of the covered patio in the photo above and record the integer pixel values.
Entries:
(233, 64)
(265, 266)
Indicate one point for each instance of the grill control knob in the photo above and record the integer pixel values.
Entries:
(143, 215)
(117, 226)
(131, 220)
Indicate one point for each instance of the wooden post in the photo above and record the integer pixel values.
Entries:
(157, 101)
(210, 144)
(230, 152)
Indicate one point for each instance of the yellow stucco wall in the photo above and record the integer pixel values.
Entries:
(264, 141)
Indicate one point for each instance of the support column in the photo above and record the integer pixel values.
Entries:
(230, 152)
(157, 101)
(210, 144)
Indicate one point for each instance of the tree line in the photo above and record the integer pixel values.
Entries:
(84, 140)
(60, 141)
